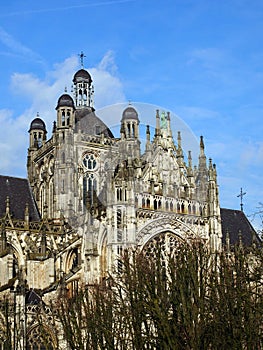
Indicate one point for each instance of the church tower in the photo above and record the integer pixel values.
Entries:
(83, 89)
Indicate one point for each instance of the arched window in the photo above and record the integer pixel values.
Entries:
(68, 117)
(63, 118)
(90, 161)
(89, 189)
(40, 338)
(148, 203)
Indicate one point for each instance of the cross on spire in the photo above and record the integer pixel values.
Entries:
(241, 195)
(81, 56)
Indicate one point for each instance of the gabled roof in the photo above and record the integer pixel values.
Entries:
(235, 223)
(19, 192)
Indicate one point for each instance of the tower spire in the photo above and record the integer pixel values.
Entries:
(81, 56)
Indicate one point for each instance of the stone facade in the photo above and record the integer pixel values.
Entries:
(112, 193)
(97, 195)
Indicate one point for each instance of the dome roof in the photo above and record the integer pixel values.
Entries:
(65, 100)
(130, 113)
(88, 123)
(37, 124)
(82, 75)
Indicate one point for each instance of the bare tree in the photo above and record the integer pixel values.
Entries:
(189, 299)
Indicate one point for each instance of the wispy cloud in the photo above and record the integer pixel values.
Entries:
(65, 8)
(18, 48)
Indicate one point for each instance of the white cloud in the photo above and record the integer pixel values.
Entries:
(42, 95)
(18, 48)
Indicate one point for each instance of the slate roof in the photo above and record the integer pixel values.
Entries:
(88, 122)
(130, 113)
(235, 222)
(65, 100)
(19, 192)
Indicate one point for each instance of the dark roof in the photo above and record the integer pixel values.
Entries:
(37, 124)
(32, 297)
(88, 123)
(130, 113)
(235, 223)
(82, 75)
(65, 100)
(19, 192)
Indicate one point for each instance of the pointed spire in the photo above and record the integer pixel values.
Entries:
(27, 213)
(147, 132)
(157, 129)
(211, 170)
(202, 157)
(180, 155)
(202, 146)
(148, 138)
(214, 168)
(169, 131)
(190, 164)
(7, 207)
(190, 159)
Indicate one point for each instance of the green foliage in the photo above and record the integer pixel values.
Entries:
(191, 299)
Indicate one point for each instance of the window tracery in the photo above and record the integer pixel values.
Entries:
(90, 161)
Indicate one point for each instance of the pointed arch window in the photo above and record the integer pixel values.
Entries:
(89, 189)
(63, 118)
(90, 161)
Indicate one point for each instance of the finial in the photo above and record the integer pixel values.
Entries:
(202, 146)
(81, 56)
(129, 102)
(65, 90)
(147, 129)
(241, 195)
(227, 240)
(27, 213)
(157, 128)
(7, 208)
(148, 133)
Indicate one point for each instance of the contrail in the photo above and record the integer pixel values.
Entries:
(95, 4)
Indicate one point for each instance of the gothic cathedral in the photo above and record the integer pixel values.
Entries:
(90, 195)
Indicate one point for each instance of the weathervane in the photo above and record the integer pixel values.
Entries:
(81, 56)
(241, 195)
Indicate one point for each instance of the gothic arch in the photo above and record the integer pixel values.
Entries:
(167, 243)
(72, 259)
(162, 225)
(41, 338)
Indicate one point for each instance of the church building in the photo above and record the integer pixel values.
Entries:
(89, 195)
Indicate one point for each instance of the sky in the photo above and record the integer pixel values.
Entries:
(202, 60)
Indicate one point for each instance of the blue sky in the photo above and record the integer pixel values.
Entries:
(200, 59)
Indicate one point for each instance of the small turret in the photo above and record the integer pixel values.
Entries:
(83, 89)
(65, 111)
(37, 132)
(130, 123)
